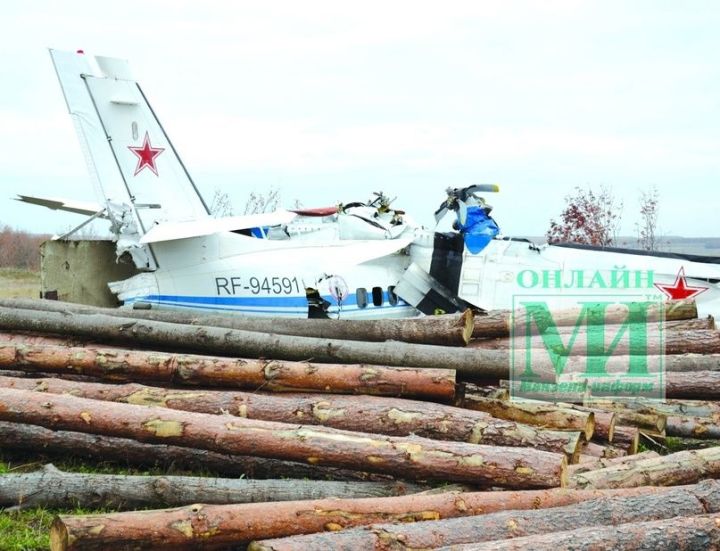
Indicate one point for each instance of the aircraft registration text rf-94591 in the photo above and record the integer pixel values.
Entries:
(256, 285)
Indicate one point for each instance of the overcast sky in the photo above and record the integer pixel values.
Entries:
(330, 101)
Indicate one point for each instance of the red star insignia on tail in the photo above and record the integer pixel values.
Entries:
(146, 155)
(680, 289)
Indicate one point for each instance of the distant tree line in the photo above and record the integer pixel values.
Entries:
(19, 249)
(592, 217)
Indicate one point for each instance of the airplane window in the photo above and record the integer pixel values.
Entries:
(377, 296)
(361, 297)
(392, 297)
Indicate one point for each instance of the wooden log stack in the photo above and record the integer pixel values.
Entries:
(397, 434)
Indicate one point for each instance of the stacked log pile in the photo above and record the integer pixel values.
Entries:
(390, 434)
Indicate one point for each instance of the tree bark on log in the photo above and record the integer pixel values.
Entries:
(497, 323)
(577, 363)
(693, 427)
(123, 452)
(273, 375)
(692, 362)
(605, 422)
(473, 364)
(464, 390)
(446, 330)
(590, 463)
(697, 500)
(702, 385)
(626, 439)
(607, 451)
(543, 414)
(573, 392)
(618, 364)
(696, 341)
(669, 408)
(648, 420)
(50, 487)
(669, 328)
(690, 324)
(685, 467)
(694, 532)
(407, 457)
(392, 416)
(223, 525)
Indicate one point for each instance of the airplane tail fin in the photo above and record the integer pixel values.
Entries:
(130, 157)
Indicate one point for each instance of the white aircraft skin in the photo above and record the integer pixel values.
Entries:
(348, 260)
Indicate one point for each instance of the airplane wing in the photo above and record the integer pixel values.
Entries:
(78, 207)
(170, 231)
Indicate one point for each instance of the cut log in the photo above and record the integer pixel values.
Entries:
(544, 414)
(685, 467)
(446, 330)
(696, 500)
(669, 408)
(574, 392)
(497, 323)
(124, 452)
(407, 457)
(220, 525)
(695, 341)
(618, 364)
(603, 450)
(700, 385)
(648, 420)
(627, 439)
(605, 422)
(279, 376)
(678, 443)
(707, 322)
(471, 389)
(692, 362)
(590, 463)
(473, 364)
(371, 414)
(577, 363)
(693, 427)
(51, 487)
(694, 532)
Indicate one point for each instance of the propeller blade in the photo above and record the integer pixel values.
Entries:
(439, 213)
(484, 188)
(462, 213)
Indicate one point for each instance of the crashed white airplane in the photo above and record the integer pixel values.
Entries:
(358, 260)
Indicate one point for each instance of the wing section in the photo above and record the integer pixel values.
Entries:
(78, 207)
(171, 231)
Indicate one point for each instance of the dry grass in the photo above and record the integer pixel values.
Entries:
(17, 283)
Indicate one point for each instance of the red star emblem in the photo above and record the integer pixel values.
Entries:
(146, 155)
(680, 289)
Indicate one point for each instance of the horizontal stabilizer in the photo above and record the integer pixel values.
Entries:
(78, 207)
(171, 231)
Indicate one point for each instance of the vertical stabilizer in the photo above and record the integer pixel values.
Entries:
(129, 156)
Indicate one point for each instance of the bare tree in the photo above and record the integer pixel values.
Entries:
(220, 205)
(262, 202)
(647, 226)
(590, 218)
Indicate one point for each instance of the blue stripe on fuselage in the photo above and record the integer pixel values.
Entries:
(276, 304)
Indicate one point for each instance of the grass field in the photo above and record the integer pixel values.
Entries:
(28, 530)
(15, 283)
